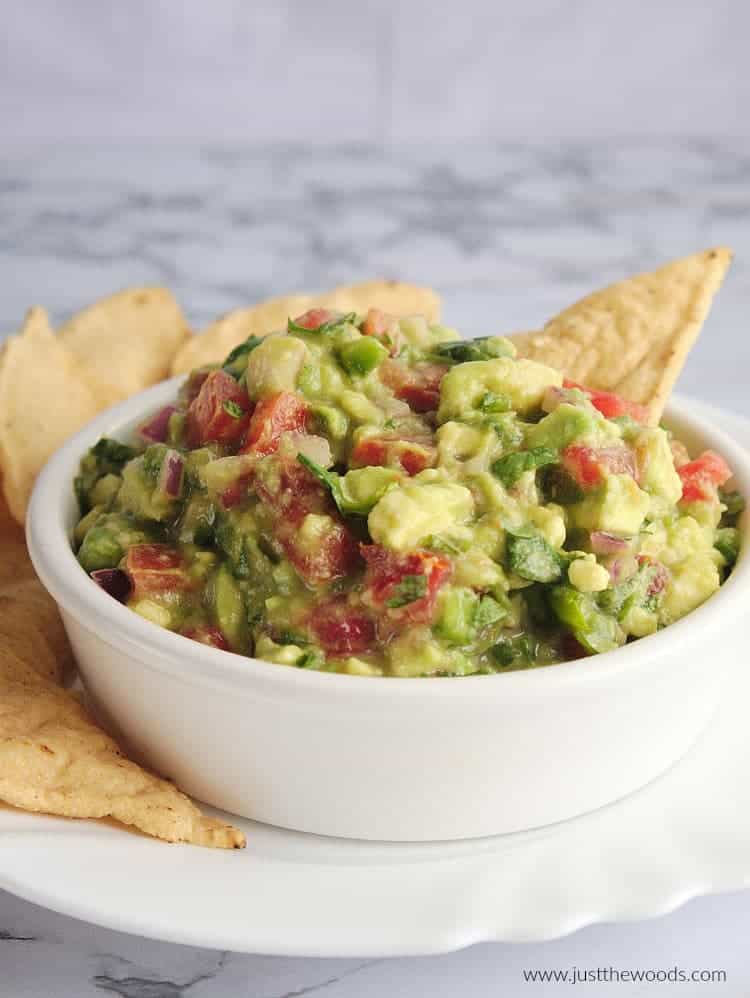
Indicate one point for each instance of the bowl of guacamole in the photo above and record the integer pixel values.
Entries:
(368, 579)
(370, 496)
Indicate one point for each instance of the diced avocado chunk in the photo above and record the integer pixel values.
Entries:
(457, 614)
(356, 492)
(524, 382)
(565, 424)
(360, 357)
(416, 653)
(330, 421)
(274, 365)
(139, 493)
(530, 557)
(412, 510)
(577, 611)
(618, 507)
(107, 540)
(229, 608)
(658, 474)
(362, 488)
(106, 457)
(236, 361)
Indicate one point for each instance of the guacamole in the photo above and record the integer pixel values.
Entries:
(373, 496)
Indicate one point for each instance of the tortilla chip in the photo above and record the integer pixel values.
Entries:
(31, 628)
(54, 759)
(389, 296)
(126, 342)
(44, 398)
(15, 564)
(222, 336)
(633, 337)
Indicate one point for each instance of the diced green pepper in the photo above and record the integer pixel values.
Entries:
(229, 608)
(360, 357)
(481, 348)
(100, 549)
(577, 611)
(735, 506)
(510, 467)
(728, 544)
(519, 652)
(558, 486)
(532, 558)
(489, 612)
(459, 608)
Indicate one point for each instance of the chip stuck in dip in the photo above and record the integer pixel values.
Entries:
(374, 496)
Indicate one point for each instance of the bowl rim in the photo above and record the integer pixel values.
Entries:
(53, 559)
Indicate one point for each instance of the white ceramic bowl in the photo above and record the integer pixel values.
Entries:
(398, 759)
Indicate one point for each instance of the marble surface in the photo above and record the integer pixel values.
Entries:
(508, 234)
(335, 70)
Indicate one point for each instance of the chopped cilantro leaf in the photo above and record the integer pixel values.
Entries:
(409, 589)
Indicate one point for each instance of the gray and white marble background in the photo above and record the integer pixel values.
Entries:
(508, 233)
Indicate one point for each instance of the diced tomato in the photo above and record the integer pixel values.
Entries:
(589, 466)
(701, 477)
(386, 570)
(194, 383)
(282, 413)
(234, 494)
(334, 555)
(155, 568)
(290, 490)
(418, 386)
(219, 413)
(377, 323)
(342, 629)
(211, 636)
(411, 454)
(314, 318)
(610, 405)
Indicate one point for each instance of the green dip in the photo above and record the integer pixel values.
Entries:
(374, 496)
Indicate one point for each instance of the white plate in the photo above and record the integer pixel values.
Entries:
(686, 834)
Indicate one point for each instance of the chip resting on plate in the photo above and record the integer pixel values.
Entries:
(126, 342)
(222, 336)
(54, 759)
(633, 337)
(44, 398)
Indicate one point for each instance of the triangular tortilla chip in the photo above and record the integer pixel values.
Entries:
(30, 627)
(44, 398)
(54, 759)
(633, 337)
(217, 340)
(126, 342)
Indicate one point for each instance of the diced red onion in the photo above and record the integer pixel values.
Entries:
(113, 581)
(622, 568)
(170, 476)
(605, 543)
(659, 579)
(156, 428)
